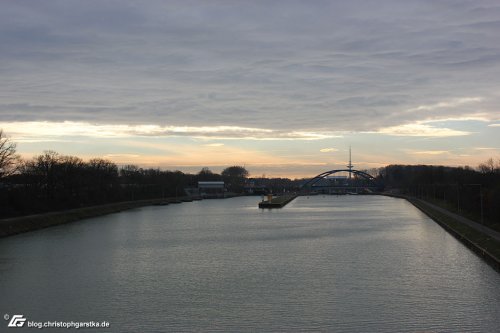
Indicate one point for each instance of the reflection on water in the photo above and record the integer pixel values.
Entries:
(333, 263)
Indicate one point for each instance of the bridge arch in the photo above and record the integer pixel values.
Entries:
(317, 178)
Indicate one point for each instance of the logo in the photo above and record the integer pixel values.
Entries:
(17, 321)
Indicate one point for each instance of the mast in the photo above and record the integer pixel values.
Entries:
(350, 166)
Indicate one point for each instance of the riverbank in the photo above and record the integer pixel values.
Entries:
(483, 241)
(17, 225)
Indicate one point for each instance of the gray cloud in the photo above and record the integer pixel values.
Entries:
(285, 65)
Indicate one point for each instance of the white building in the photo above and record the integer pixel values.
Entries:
(211, 189)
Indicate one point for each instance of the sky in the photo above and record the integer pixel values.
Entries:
(283, 88)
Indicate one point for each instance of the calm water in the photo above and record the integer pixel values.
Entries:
(337, 264)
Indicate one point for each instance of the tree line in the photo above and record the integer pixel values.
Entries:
(471, 192)
(52, 181)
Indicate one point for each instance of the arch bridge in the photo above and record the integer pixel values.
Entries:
(371, 183)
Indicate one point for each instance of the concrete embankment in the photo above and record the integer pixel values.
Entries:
(483, 241)
(277, 202)
(22, 224)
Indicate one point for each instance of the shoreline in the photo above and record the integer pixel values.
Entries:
(17, 225)
(482, 244)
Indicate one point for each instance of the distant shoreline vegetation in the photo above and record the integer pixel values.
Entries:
(53, 182)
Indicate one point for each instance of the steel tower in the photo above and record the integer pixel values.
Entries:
(350, 166)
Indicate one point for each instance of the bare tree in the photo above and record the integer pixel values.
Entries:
(8, 156)
(487, 167)
(207, 175)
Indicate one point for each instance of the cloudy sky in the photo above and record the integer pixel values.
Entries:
(282, 87)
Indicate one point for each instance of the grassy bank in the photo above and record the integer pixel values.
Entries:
(21, 224)
(482, 244)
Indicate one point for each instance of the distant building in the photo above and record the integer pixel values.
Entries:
(252, 188)
(213, 189)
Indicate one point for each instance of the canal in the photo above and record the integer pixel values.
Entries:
(332, 263)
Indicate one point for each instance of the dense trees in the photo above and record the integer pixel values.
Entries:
(471, 192)
(234, 177)
(206, 174)
(52, 181)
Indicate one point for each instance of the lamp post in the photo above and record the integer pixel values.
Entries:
(480, 198)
